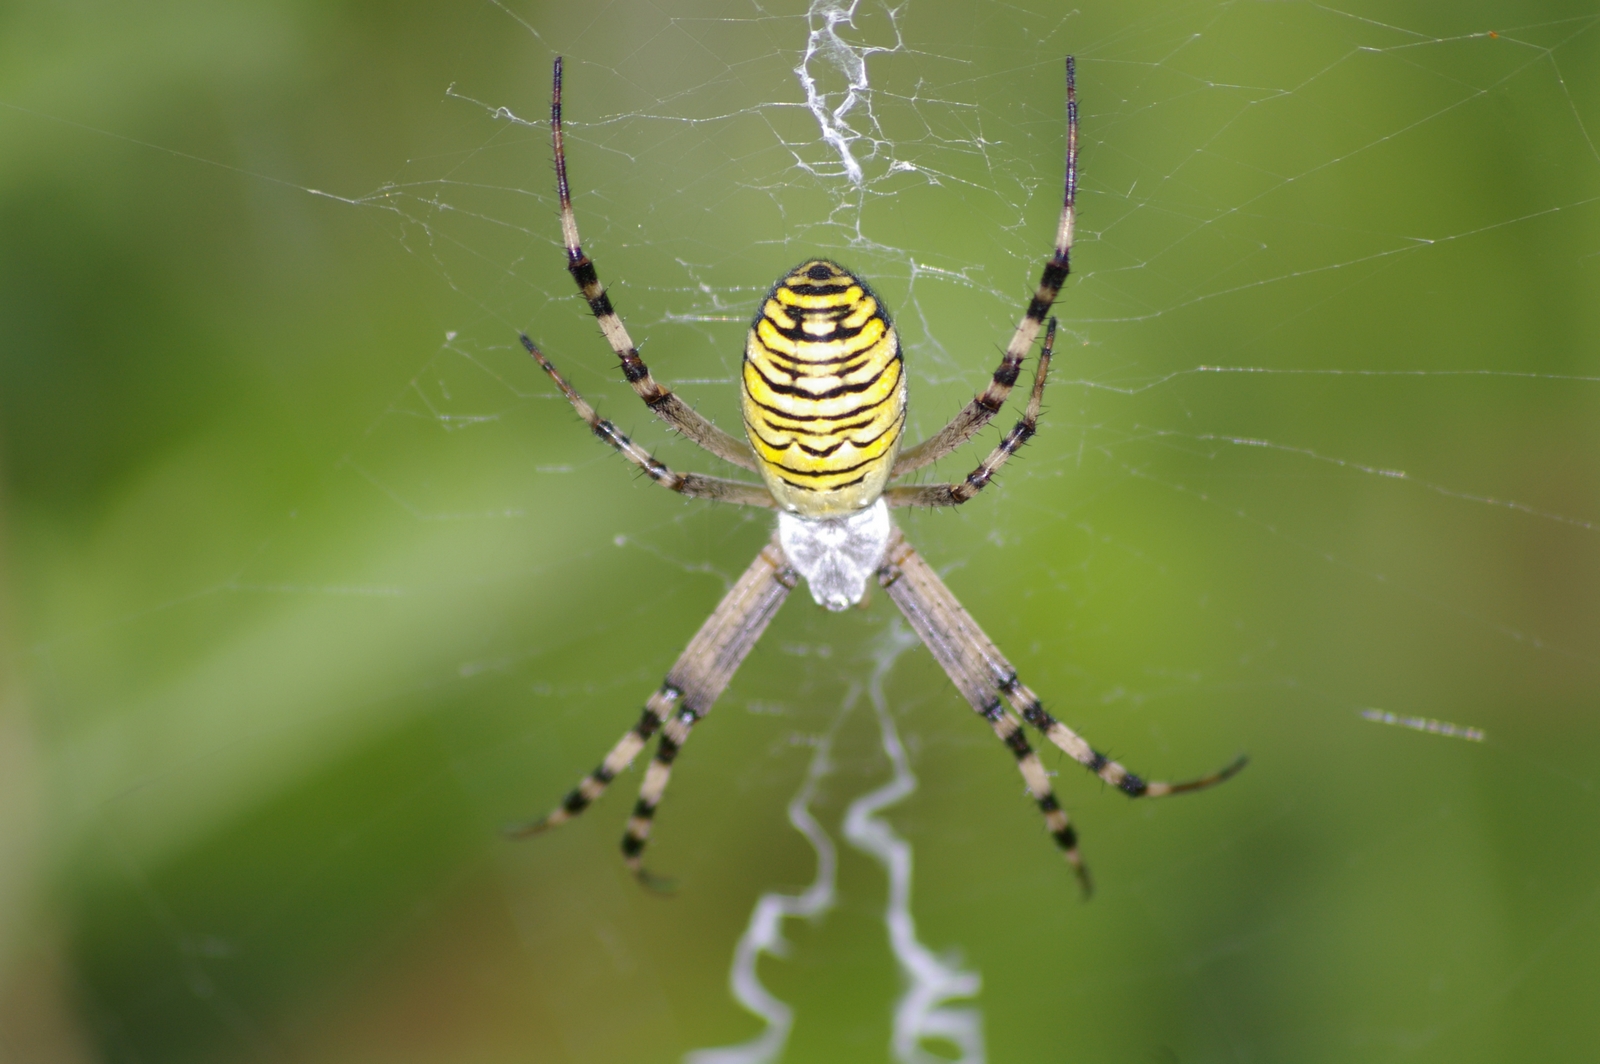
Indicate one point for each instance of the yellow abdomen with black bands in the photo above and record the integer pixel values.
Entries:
(824, 391)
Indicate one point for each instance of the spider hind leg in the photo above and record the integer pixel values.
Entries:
(694, 485)
(1010, 444)
(660, 399)
(987, 403)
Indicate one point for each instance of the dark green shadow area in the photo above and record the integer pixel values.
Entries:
(265, 929)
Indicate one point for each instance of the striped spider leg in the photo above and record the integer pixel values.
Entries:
(1010, 444)
(692, 685)
(937, 621)
(987, 403)
(984, 676)
(694, 485)
(666, 406)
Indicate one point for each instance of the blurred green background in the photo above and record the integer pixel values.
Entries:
(311, 582)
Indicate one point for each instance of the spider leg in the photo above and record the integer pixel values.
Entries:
(1009, 730)
(941, 631)
(982, 673)
(977, 413)
(978, 479)
(1027, 703)
(667, 406)
(620, 756)
(656, 777)
(693, 485)
(692, 685)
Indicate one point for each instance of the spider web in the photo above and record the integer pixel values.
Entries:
(1316, 480)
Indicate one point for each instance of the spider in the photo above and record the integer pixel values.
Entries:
(823, 393)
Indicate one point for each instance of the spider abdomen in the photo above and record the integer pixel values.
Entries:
(824, 391)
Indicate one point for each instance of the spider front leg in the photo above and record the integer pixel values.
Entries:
(1009, 731)
(940, 631)
(617, 759)
(693, 684)
(666, 406)
(1076, 747)
(986, 405)
(1010, 444)
(656, 778)
(983, 675)
(693, 485)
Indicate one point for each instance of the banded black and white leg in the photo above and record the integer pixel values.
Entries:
(693, 684)
(660, 399)
(984, 676)
(1009, 730)
(1010, 444)
(694, 485)
(637, 834)
(618, 758)
(987, 403)
(906, 578)
(1026, 703)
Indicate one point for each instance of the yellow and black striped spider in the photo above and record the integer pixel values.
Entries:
(824, 400)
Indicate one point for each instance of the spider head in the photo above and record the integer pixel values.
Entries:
(836, 555)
